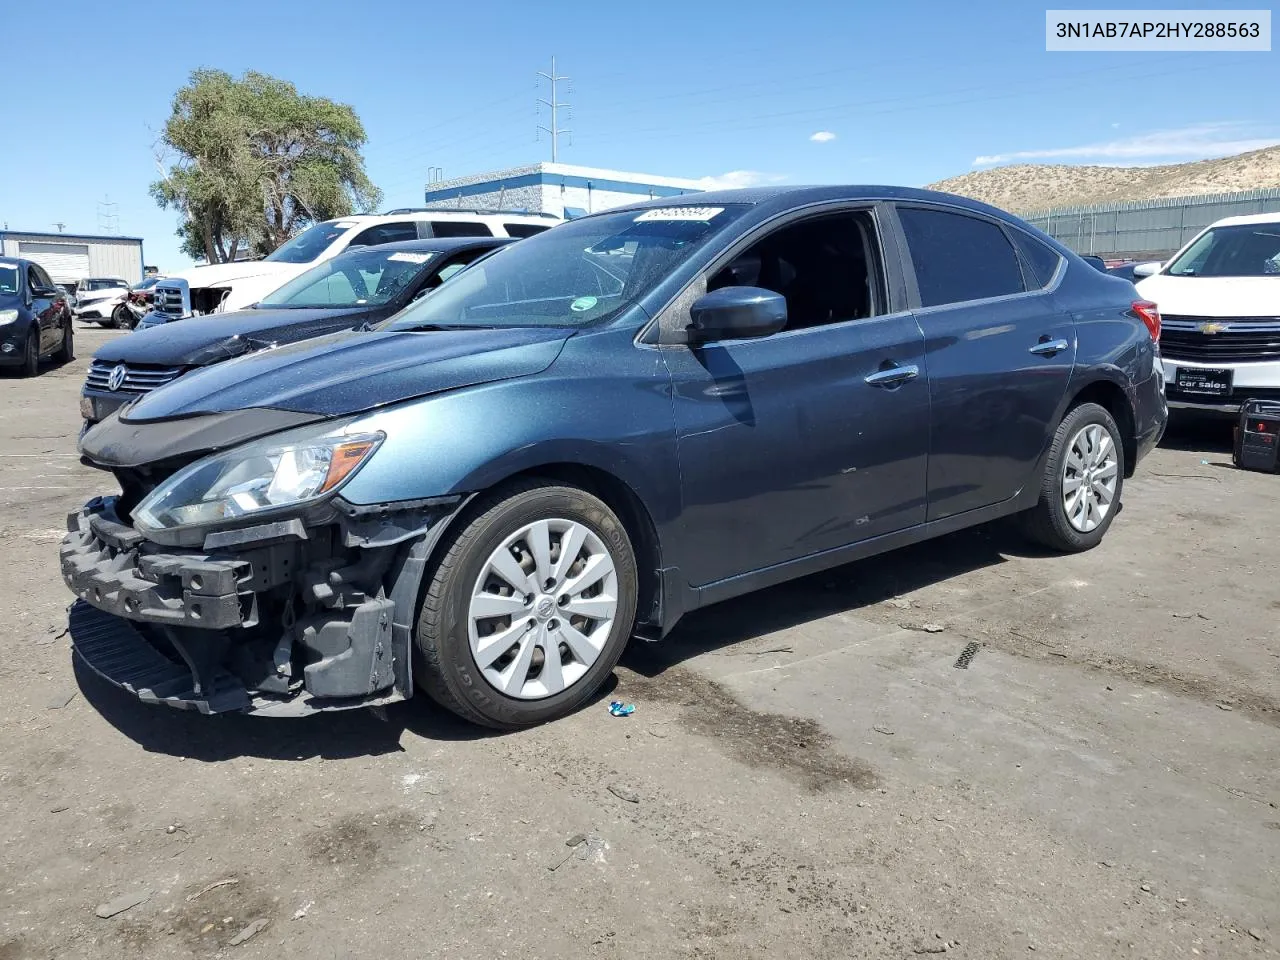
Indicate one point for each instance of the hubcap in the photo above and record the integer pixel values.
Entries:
(542, 608)
(1089, 477)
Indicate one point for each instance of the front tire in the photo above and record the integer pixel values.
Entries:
(528, 608)
(31, 355)
(122, 318)
(1082, 482)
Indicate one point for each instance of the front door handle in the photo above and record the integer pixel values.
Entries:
(1047, 348)
(893, 376)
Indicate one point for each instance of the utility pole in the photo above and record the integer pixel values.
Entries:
(60, 225)
(108, 219)
(554, 130)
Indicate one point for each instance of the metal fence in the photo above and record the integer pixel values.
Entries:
(1147, 229)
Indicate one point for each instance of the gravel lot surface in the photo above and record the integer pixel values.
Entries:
(807, 773)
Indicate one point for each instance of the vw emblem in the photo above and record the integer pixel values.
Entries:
(116, 380)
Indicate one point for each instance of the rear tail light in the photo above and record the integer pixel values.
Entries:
(1149, 313)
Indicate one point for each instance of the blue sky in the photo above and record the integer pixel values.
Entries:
(906, 92)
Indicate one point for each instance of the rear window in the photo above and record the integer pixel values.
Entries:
(524, 229)
(958, 258)
(459, 228)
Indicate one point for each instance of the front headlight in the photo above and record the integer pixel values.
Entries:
(289, 469)
(7, 317)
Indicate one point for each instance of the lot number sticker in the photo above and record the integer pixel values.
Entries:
(680, 213)
(410, 257)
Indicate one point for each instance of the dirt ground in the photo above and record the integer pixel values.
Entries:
(807, 773)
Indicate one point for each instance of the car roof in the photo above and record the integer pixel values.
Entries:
(469, 216)
(792, 196)
(1273, 217)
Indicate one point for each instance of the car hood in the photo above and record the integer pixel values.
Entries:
(353, 371)
(221, 274)
(1213, 296)
(202, 340)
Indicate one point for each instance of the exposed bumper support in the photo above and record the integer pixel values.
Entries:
(287, 620)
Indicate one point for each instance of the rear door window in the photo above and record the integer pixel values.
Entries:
(958, 258)
(459, 228)
(1040, 259)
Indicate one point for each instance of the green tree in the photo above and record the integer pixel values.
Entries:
(256, 162)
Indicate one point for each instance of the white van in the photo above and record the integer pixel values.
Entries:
(221, 287)
(1219, 300)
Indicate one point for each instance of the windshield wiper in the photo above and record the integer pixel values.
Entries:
(432, 327)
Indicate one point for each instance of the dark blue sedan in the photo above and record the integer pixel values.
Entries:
(35, 318)
(596, 431)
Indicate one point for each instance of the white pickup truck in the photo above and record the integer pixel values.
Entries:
(222, 287)
(1219, 300)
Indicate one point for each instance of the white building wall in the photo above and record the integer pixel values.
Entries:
(108, 257)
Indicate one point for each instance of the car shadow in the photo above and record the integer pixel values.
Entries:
(1198, 433)
(851, 587)
(339, 735)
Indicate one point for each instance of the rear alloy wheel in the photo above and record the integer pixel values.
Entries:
(31, 355)
(529, 607)
(1084, 475)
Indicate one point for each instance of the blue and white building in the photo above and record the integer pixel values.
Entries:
(70, 257)
(560, 189)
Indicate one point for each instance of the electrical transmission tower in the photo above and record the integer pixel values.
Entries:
(554, 103)
(108, 219)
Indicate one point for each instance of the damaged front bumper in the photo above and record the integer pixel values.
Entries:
(285, 618)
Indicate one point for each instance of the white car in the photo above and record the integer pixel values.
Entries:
(222, 287)
(101, 300)
(1219, 301)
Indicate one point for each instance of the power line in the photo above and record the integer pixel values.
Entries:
(554, 130)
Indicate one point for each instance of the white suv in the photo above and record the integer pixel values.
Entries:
(1219, 300)
(218, 288)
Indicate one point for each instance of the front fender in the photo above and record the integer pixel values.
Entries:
(605, 403)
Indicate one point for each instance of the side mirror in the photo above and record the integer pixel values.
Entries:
(737, 313)
(1147, 269)
(1096, 262)
(45, 293)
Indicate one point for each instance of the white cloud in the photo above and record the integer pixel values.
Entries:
(1115, 126)
(1197, 142)
(740, 178)
(822, 136)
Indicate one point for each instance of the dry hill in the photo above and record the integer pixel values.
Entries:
(1028, 187)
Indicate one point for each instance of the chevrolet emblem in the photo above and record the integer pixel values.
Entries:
(1209, 329)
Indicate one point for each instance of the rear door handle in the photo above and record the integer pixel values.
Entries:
(893, 376)
(1048, 348)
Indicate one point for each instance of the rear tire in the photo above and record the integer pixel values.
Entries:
(67, 352)
(496, 669)
(1082, 483)
(31, 355)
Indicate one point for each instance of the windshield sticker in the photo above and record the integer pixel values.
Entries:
(405, 257)
(583, 304)
(702, 214)
(343, 224)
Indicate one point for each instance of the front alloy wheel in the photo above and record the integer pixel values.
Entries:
(529, 607)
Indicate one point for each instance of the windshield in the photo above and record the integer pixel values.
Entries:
(8, 278)
(102, 285)
(579, 274)
(1243, 250)
(148, 283)
(368, 276)
(310, 243)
